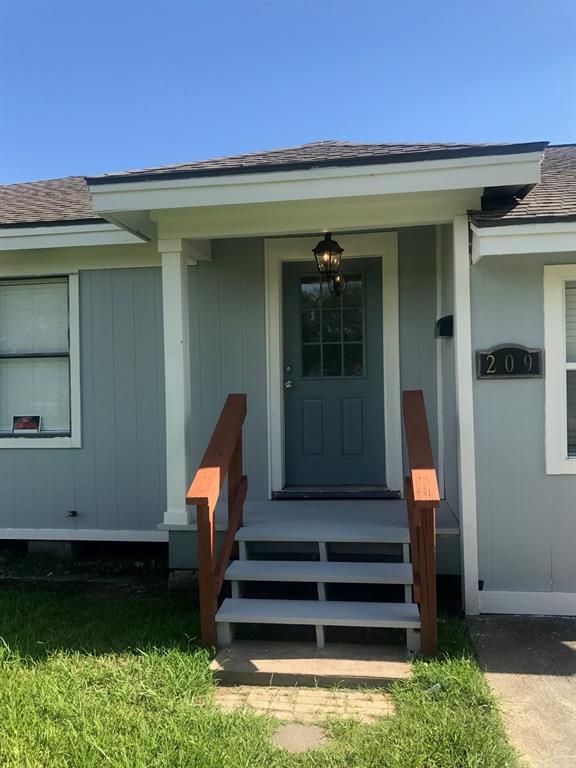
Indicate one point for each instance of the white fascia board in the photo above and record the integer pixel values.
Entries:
(66, 236)
(280, 186)
(558, 237)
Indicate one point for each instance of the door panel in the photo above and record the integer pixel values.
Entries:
(333, 374)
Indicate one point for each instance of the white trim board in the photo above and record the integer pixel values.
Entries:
(68, 236)
(529, 603)
(465, 414)
(274, 186)
(79, 534)
(439, 364)
(556, 425)
(277, 251)
(523, 238)
(63, 261)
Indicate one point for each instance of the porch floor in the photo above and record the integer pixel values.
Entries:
(314, 513)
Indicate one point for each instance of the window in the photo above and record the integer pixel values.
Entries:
(39, 373)
(560, 339)
(332, 329)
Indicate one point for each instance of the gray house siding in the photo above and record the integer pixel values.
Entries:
(449, 414)
(526, 519)
(117, 480)
(417, 294)
(228, 349)
(228, 338)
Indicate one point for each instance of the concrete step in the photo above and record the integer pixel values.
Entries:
(325, 533)
(327, 572)
(290, 664)
(329, 613)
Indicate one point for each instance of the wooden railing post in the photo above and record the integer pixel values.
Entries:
(206, 553)
(428, 609)
(223, 457)
(422, 499)
(235, 476)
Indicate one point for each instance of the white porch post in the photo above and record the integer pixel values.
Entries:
(465, 411)
(174, 254)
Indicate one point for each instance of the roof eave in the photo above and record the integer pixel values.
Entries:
(443, 154)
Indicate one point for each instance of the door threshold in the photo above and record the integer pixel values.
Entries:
(334, 492)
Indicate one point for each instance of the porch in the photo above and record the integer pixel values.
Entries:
(364, 519)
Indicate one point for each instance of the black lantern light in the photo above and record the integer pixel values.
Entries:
(328, 254)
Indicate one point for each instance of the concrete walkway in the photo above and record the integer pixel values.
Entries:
(530, 664)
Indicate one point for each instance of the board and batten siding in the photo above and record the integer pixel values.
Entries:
(449, 413)
(117, 480)
(526, 518)
(417, 304)
(228, 339)
(228, 350)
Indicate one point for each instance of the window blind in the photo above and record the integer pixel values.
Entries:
(570, 320)
(34, 353)
(34, 317)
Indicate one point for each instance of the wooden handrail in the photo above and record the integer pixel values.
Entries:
(422, 499)
(223, 458)
(420, 458)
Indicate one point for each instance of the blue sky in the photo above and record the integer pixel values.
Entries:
(88, 86)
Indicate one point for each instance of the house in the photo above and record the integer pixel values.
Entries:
(132, 304)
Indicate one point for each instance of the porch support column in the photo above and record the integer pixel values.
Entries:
(175, 257)
(465, 411)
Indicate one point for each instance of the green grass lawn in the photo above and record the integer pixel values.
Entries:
(92, 681)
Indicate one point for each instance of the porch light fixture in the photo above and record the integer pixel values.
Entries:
(328, 254)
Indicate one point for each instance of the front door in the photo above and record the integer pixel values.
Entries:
(333, 376)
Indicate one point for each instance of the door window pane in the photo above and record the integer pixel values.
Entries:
(337, 321)
(352, 325)
(330, 300)
(571, 322)
(311, 360)
(310, 292)
(353, 362)
(331, 325)
(352, 294)
(332, 359)
(311, 325)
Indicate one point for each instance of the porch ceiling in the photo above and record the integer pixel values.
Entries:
(306, 216)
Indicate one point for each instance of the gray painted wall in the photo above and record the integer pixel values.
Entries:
(526, 519)
(228, 338)
(228, 349)
(117, 479)
(417, 291)
(449, 420)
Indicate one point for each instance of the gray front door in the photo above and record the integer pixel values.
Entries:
(333, 376)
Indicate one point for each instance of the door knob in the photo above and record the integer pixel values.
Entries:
(288, 384)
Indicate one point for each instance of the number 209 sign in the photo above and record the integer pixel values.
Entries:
(509, 361)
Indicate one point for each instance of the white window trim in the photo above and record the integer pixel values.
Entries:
(555, 279)
(74, 440)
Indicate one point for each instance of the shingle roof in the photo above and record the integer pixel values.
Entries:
(47, 202)
(68, 200)
(553, 199)
(320, 154)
